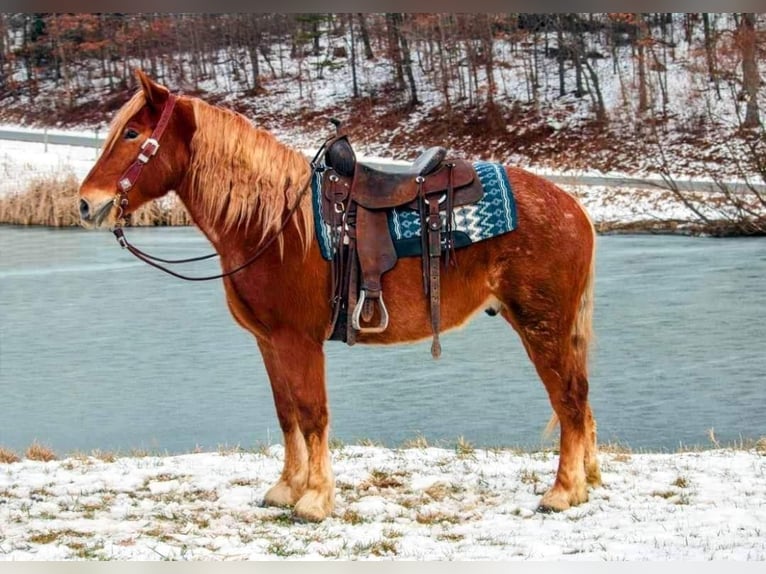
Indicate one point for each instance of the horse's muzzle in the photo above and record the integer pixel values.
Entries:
(94, 215)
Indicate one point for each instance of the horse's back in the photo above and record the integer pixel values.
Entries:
(550, 248)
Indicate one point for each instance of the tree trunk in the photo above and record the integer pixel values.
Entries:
(489, 60)
(560, 55)
(442, 48)
(3, 50)
(750, 76)
(394, 51)
(364, 33)
(643, 99)
(596, 95)
(354, 85)
(710, 52)
(407, 64)
(253, 44)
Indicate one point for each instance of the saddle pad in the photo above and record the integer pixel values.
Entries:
(493, 215)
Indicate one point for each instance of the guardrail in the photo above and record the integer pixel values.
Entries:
(96, 141)
(46, 137)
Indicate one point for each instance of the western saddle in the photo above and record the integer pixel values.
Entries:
(356, 200)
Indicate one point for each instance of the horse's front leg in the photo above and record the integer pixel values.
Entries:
(297, 370)
(292, 482)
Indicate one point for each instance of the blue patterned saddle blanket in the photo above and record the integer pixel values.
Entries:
(493, 215)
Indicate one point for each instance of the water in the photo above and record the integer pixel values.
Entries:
(99, 351)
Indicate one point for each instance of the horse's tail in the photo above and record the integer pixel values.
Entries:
(582, 330)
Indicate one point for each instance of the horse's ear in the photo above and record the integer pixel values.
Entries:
(155, 93)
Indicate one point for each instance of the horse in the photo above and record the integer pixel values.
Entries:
(247, 193)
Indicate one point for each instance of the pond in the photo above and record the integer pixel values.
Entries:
(99, 351)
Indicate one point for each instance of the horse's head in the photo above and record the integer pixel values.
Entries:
(145, 155)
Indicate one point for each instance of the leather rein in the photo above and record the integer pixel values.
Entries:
(128, 179)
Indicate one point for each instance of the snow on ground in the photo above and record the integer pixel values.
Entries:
(411, 503)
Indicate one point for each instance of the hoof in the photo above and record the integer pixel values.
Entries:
(280, 495)
(543, 509)
(558, 499)
(313, 506)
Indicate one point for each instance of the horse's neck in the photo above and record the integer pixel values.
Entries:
(236, 242)
(214, 230)
(227, 204)
(214, 233)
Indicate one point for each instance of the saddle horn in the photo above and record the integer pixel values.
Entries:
(337, 123)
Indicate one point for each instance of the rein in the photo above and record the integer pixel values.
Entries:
(119, 233)
(128, 180)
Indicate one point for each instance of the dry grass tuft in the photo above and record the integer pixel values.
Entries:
(52, 201)
(681, 482)
(48, 200)
(105, 455)
(37, 451)
(438, 491)
(464, 449)
(382, 479)
(418, 442)
(7, 456)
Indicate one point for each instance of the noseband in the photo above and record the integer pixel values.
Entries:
(128, 180)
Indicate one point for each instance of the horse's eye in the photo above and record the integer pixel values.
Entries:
(130, 134)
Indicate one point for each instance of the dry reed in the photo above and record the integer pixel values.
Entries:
(52, 201)
(37, 451)
(7, 456)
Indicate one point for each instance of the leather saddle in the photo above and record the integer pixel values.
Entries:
(356, 200)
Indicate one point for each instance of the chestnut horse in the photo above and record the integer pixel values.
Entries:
(246, 191)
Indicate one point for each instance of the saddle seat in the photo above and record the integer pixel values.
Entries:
(426, 162)
(356, 199)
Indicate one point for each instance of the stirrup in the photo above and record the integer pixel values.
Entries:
(358, 312)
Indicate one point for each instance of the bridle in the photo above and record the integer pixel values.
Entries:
(128, 179)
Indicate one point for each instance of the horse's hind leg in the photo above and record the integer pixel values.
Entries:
(296, 363)
(560, 360)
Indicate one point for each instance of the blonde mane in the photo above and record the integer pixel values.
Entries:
(241, 175)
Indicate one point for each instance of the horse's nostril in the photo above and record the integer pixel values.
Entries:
(84, 209)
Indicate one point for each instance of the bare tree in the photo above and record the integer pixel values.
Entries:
(354, 84)
(365, 35)
(394, 49)
(710, 52)
(402, 57)
(641, 34)
(750, 77)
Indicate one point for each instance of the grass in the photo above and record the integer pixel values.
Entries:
(382, 479)
(619, 452)
(463, 448)
(681, 482)
(52, 201)
(418, 442)
(436, 518)
(40, 452)
(376, 548)
(352, 517)
(7, 456)
(54, 535)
